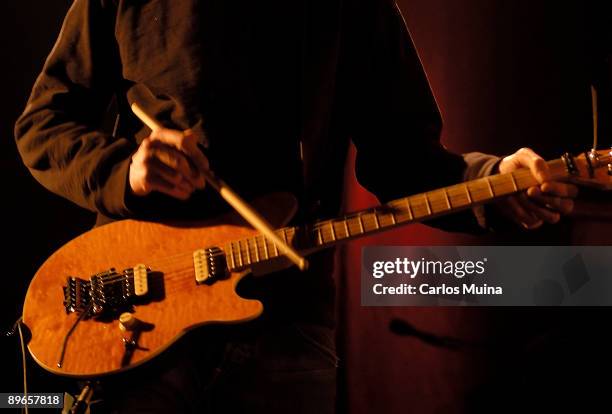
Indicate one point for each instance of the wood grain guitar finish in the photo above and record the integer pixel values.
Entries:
(181, 298)
(96, 347)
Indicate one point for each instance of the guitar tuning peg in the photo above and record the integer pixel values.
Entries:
(610, 169)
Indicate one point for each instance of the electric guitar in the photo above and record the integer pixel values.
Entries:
(118, 295)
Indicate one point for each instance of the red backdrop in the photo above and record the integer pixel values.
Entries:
(493, 67)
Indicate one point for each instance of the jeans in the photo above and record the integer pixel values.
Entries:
(255, 368)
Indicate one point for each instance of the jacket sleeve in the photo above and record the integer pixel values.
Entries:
(397, 135)
(59, 135)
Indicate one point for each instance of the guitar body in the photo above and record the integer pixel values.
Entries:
(175, 277)
(96, 346)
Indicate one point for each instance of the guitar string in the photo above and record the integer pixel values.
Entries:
(189, 271)
(432, 204)
(429, 204)
(320, 225)
(181, 283)
(186, 271)
(254, 251)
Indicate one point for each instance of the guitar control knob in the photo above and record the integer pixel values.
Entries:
(127, 322)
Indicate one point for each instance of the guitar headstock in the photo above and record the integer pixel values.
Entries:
(591, 169)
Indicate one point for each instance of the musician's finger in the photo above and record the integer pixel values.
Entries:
(560, 189)
(173, 139)
(168, 136)
(186, 142)
(542, 213)
(158, 183)
(526, 158)
(173, 159)
(512, 208)
(170, 175)
(561, 204)
(535, 163)
(199, 158)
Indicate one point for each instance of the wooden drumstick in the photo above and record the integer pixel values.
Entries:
(234, 200)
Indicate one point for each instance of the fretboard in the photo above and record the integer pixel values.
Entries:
(415, 208)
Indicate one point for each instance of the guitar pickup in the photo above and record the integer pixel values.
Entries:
(141, 283)
(209, 265)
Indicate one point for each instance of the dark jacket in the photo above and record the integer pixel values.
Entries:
(254, 80)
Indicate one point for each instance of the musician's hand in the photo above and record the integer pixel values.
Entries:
(543, 203)
(170, 162)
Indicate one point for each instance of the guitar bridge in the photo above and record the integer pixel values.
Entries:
(77, 295)
(106, 292)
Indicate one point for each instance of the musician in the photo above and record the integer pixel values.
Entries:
(268, 95)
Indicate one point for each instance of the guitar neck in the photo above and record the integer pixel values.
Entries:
(416, 208)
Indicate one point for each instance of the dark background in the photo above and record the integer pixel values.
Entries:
(506, 75)
(36, 222)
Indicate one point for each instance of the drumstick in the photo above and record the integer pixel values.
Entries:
(234, 200)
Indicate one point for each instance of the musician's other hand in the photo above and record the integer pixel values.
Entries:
(545, 202)
(170, 162)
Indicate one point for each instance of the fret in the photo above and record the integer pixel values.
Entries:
(393, 219)
(248, 252)
(504, 184)
(427, 203)
(489, 186)
(231, 254)
(376, 222)
(513, 181)
(240, 255)
(346, 228)
(284, 234)
(386, 219)
(448, 202)
(354, 226)
(319, 236)
(256, 249)
(265, 243)
(333, 231)
(467, 193)
(436, 202)
(409, 209)
(276, 252)
(337, 229)
(360, 219)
